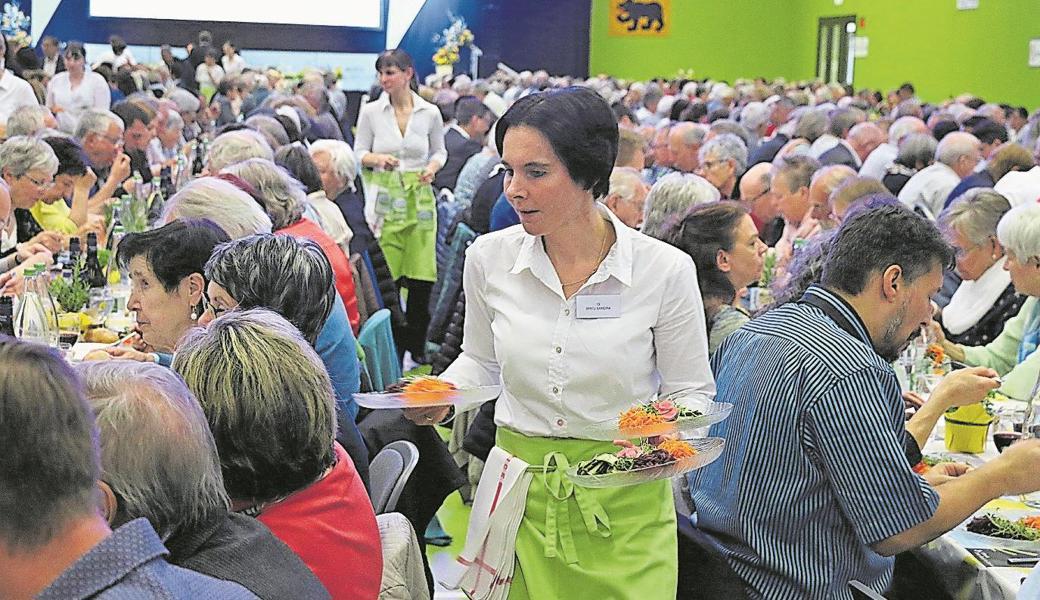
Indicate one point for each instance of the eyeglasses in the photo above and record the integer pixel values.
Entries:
(39, 183)
(755, 198)
(711, 164)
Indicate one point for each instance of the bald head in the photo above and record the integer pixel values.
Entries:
(825, 181)
(754, 191)
(864, 138)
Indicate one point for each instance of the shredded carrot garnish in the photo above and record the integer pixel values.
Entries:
(677, 448)
(636, 417)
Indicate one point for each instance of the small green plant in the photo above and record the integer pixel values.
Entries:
(74, 294)
(768, 269)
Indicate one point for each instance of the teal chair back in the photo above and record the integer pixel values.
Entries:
(377, 340)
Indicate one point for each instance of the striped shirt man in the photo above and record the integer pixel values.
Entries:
(814, 470)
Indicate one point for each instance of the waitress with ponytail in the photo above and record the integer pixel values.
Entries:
(578, 317)
(400, 142)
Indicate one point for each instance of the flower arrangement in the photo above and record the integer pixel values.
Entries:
(15, 24)
(455, 37)
(634, 456)
(652, 413)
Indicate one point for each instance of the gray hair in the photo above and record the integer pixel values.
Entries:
(341, 156)
(174, 121)
(157, 451)
(289, 275)
(1019, 231)
(843, 119)
(726, 147)
(26, 120)
(811, 125)
(954, 146)
(185, 100)
(754, 115)
(975, 214)
(624, 181)
(21, 154)
(233, 210)
(268, 400)
(97, 122)
(904, 126)
(236, 146)
(733, 128)
(283, 196)
(916, 148)
(691, 134)
(671, 197)
(270, 128)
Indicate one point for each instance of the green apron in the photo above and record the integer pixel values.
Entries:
(610, 543)
(409, 211)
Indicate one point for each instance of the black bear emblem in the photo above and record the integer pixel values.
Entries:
(634, 13)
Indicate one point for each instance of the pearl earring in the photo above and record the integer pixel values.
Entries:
(194, 316)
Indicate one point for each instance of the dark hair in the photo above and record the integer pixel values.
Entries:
(579, 126)
(944, 128)
(289, 275)
(126, 83)
(467, 107)
(297, 160)
(397, 57)
(173, 251)
(49, 444)
(118, 44)
(291, 128)
(677, 109)
(75, 46)
(71, 160)
(694, 112)
(718, 114)
(988, 131)
(907, 87)
(27, 58)
(975, 103)
(621, 111)
(130, 112)
(1021, 111)
(211, 52)
(105, 70)
(871, 240)
(706, 229)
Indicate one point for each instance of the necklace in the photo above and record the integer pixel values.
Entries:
(600, 257)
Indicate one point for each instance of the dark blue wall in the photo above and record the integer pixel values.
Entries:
(525, 34)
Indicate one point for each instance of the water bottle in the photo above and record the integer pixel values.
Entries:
(155, 201)
(30, 323)
(50, 307)
(7, 316)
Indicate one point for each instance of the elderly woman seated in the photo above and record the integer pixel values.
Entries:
(723, 242)
(723, 159)
(271, 408)
(284, 202)
(159, 461)
(295, 159)
(234, 147)
(985, 297)
(293, 277)
(916, 151)
(338, 169)
(167, 285)
(1013, 353)
(27, 168)
(219, 201)
(670, 199)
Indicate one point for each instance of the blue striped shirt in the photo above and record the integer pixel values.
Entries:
(814, 470)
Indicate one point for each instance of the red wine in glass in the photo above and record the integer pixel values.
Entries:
(1003, 439)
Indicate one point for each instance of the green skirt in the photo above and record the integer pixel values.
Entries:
(409, 233)
(574, 542)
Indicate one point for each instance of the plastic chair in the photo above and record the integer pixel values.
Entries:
(860, 591)
(377, 339)
(389, 472)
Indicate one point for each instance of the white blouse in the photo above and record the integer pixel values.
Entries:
(92, 93)
(562, 374)
(422, 141)
(233, 66)
(332, 220)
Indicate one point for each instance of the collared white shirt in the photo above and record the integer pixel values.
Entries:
(124, 58)
(1020, 187)
(92, 93)
(879, 161)
(50, 65)
(422, 142)
(461, 131)
(929, 188)
(15, 93)
(822, 144)
(562, 374)
(233, 66)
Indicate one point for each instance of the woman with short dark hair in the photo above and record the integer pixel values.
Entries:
(73, 181)
(578, 316)
(723, 242)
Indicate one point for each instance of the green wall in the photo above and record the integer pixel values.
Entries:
(942, 50)
(722, 39)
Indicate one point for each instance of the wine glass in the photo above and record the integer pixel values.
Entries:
(1004, 429)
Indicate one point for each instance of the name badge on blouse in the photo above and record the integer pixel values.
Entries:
(598, 306)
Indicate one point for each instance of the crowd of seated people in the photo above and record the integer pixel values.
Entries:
(228, 431)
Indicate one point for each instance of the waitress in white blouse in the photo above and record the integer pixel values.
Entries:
(578, 317)
(76, 90)
(400, 142)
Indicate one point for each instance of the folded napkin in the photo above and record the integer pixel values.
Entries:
(484, 569)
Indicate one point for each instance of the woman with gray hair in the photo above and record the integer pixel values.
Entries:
(27, 168)
(293, 277)
(236, 146)
(271, 408)
(1013, 354)
(284, 201)
(220, 201)
(985, 297)
(723, 159)
(159, 462)
(338, 169)
(916, 151)
(671, 197)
